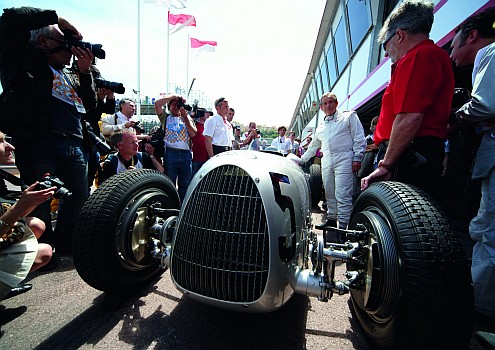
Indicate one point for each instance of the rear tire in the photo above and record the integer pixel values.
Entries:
(315, 183)
(111, 234)
(415, 291)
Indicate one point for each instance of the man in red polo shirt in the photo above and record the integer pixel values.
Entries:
(416, 103)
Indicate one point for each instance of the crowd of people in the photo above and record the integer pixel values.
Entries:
(407, 140)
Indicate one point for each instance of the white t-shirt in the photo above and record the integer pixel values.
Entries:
(217, 128)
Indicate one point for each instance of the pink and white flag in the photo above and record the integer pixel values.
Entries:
(180, 21)
(202, 45)
(175, 4)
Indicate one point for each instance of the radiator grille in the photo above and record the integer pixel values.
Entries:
(221, 248)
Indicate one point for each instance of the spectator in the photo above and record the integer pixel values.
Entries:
(308, 140)
(413, 125)
(230, 115)
(255, 144)
(48, 138)
(237, 138)
(370, 159)
(122, 120)
(341, 138)
(218, 137)
(128, 156)
(25, 255)
(294, 145)
(200, 156)
(179, 129)
(370, 143)
(282, 143)
(249, 136)
(474, 42)
(301, 150)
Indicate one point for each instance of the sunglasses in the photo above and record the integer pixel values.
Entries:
(384, 45)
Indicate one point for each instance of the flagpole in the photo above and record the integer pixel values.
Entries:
(187, 68)
(168, 50)
(139, 61)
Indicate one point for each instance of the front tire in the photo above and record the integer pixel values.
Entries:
(415, 290)
(111, 239)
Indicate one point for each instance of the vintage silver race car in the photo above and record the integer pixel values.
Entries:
(243, 240)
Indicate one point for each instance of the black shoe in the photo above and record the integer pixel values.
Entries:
(328, 223)
(486, 339)
(52, 264)
(20, 289)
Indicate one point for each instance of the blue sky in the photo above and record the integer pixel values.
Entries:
(262, 58)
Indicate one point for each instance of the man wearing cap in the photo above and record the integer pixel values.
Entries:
(218, 130)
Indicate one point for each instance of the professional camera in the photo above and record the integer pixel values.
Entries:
(180, 104)
(138, 127)
(53, 181)
(198, 112)
(70, 41)
(97, 141)
(110, 85)
(258, 131)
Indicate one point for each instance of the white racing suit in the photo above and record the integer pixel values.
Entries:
(341, 139)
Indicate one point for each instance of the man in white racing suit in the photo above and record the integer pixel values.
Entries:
(342, 142)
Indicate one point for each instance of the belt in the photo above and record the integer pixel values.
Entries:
(226, 148)
(177, 149)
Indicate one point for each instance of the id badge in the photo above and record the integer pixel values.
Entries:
(80, 107)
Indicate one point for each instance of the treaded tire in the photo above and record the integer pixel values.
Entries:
(315, 183)
(111, 225)
(416, 288)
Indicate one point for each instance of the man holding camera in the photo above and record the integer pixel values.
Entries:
(123, 120)
(179, 129)
(37, 46)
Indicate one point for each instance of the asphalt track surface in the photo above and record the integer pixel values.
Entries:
(63, 312)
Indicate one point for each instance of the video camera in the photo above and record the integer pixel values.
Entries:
(70, 41)
(196, 112)
(110, 85)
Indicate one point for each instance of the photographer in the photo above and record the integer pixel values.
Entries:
(37, 46)
(179, 129)
(20, 253)
(128, 157)
(123, 120)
